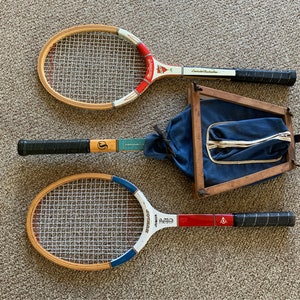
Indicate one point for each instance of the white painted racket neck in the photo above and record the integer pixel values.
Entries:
(164, 70)
(162, 220)
(154, 221)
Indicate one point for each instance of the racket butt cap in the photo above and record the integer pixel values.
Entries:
(22, 148)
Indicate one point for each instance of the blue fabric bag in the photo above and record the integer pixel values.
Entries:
(236, 141)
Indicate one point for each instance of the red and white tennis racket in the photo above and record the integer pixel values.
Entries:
(96, 221)
(101, 67)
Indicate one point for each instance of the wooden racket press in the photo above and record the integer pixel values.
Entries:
(195, 93)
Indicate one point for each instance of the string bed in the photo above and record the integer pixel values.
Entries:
(88, 221)
(94, 67)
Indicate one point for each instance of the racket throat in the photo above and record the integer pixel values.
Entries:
(162, 221)
(153, 222)
(159, 69)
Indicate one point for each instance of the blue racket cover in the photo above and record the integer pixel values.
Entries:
(236, 141)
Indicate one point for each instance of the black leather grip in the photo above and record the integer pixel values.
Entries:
(264, 219)
(286, 77)
(26, 147)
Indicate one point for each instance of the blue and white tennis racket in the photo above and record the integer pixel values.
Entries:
(96, 221)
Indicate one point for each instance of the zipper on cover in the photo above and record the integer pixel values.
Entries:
(283, 136)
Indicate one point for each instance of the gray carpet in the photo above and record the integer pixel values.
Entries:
(198, 263)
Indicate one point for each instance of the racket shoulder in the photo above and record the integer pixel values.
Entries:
(128, 36)
(130, 97)
(123, 258)
(125, 183)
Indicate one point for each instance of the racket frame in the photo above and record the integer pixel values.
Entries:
(47, 48)
(154, 68)
(154, 221)
(149, 228)
(149, 61)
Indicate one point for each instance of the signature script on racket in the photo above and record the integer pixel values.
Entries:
(148, 220)
(205, 71)
(102, 145)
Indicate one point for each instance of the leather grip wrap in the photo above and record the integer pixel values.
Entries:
(53, 147)
(264, 219)
(286, 77)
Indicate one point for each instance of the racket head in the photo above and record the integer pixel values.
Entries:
(95, 66)
(89, 221)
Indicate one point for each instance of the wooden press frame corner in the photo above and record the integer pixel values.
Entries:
(195, 93)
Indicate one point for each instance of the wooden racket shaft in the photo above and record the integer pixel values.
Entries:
(97, 221)
(32, 147)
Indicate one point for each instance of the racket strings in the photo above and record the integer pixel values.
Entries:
(94, 67)
(88, 221)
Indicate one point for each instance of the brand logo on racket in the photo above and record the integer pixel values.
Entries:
(161, 69)
(223, 221)
(150, 68)
(102, 145)
(165, 220)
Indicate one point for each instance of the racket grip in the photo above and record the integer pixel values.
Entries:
(264, 219)
(284, 77)
(26, 147)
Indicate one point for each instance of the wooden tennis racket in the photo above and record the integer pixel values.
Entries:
(101, 67)
(96, 221)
